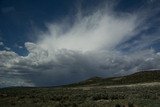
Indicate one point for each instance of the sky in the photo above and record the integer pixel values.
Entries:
(57, 42)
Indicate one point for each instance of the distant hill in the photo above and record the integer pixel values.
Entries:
(138, 77)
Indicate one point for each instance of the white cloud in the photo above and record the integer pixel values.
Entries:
(93, 32)
(6, 58)
(20, 47)
(7, 48)
(43, 67)
(1, 44)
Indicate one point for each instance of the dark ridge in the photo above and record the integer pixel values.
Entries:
(138, 77)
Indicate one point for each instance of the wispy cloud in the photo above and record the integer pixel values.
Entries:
(1, 44)
(93, 32)
(7, 48)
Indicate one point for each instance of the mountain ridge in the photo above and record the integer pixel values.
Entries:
(137, 77)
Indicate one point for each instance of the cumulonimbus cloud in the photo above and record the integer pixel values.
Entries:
(70, 53)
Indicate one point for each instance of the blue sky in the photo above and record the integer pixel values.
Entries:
(19, 18)
(65, 41)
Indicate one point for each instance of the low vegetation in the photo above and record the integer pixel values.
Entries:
(85, 96)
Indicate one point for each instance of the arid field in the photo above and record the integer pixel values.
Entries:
(145, 94)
